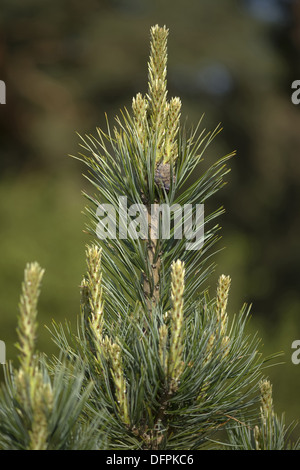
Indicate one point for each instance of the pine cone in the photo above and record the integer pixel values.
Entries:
(162, 175)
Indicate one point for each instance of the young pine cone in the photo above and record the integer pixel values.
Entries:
(162, 175)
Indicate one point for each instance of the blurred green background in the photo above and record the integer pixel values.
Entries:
(66, 63)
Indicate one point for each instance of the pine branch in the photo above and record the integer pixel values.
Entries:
(39, 411)
(270, 433)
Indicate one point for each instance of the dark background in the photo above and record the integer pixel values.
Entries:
(66, 63)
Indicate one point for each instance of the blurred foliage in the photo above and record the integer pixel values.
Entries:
(67, 63)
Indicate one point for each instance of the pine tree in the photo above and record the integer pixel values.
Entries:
(156, 363)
